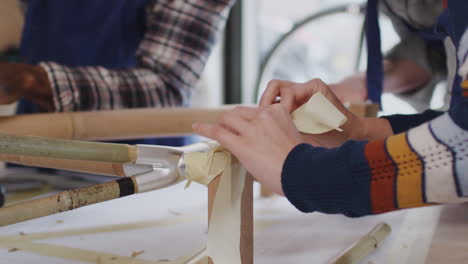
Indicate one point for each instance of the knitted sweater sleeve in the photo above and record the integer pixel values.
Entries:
(425, 165)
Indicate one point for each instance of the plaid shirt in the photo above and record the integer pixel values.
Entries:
(171, 58)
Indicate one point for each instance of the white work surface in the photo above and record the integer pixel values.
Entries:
(170, 223)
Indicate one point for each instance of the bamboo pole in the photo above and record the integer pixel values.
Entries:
(64, 201)
(73, 199)
(364, 246)
(107, 125)
(101, 168)
(143, 181)
(67, 149)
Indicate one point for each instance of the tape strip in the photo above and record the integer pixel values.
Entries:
(223, 244)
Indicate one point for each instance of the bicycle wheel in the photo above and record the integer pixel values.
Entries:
(327, 44)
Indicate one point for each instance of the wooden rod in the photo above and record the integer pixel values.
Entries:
(247, 222)
(101, 168)
(106, 125)
(366, 245)
(66, 201)
(67, 149)
(212, 189)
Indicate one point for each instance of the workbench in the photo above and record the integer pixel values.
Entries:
(170, 224)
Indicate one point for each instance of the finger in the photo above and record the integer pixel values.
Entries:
(295, 97)
(248, 113)
(272, 91)
(220, 134)
(280, 113)
(288, 99)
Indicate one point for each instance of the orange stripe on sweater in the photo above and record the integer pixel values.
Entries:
(464, 85)
(383, 177)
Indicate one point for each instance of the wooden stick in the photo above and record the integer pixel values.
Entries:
(366, 245)
(67, 149)
(105, 125)
(101, 168)
(212, 189)
(246, 243)
(247, 222)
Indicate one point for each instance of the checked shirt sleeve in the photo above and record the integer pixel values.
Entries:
(171, 58)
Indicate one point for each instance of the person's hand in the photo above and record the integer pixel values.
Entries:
(294, 95)
(352, 89)
(260, 138)
(23, 80)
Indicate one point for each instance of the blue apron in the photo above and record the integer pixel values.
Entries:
(434, 35)
(85, 33)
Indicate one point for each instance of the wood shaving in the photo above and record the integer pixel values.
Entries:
(137, 253)
(172, 212)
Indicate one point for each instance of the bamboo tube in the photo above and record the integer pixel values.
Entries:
(157, 179)
(67, 149)
(362, 248)
(66, 201)
(106, 125)
(101, 168)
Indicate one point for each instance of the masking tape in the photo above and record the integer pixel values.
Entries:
(223, 245)
(318, 116)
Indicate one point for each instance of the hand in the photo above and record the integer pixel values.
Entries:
(260, 138)
(352, 89)
(23, 80)
(294, 95)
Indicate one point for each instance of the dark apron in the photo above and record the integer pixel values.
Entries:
(85, 33)
(434, 35)
(2, 196)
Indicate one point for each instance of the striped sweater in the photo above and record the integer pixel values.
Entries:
(424, 165)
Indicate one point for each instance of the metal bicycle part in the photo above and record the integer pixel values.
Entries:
(166, 164)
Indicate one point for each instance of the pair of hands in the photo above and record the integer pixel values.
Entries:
(23, 80)
(261, 138)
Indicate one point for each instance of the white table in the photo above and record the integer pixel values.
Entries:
(170, 223)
